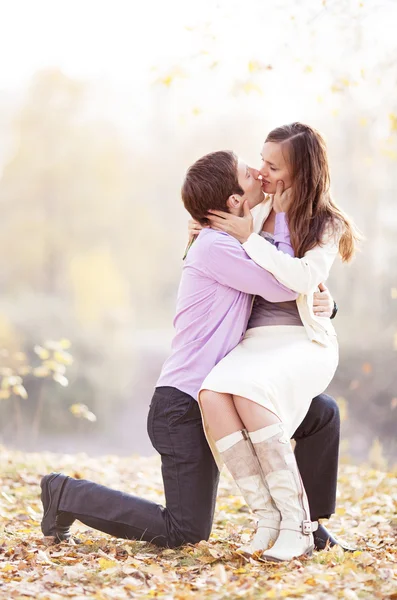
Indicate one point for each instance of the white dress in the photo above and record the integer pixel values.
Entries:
(278, 367)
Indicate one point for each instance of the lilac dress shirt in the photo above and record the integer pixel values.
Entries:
(214, 304)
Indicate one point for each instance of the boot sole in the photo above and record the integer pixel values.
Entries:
(308, 554)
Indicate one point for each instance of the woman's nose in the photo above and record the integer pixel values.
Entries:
(263, 172)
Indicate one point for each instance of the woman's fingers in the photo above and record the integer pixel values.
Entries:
(219, 213)
(216, 220)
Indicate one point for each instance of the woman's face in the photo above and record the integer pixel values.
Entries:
(274, 167)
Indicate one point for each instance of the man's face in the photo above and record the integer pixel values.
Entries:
(274, 167)
(249, 182)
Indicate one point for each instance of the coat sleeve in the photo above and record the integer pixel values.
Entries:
(303, 275)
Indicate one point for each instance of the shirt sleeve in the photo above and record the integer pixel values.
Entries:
(230, 265)
(282, 238)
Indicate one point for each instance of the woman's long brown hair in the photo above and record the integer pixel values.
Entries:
(312, 212)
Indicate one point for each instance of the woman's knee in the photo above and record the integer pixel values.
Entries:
(208, 400)
(207, 396)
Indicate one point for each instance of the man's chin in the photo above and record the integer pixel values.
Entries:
(258, 201)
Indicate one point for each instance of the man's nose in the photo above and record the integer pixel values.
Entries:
(256, 173)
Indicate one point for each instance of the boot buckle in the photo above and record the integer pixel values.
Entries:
(306, 527)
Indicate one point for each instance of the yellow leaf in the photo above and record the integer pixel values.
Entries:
(42, 352)
(63, 357)
(105, 563)
(4, 394)
(253, 66)
(65, 344)
(8, 567)
(342, 404)
(61, 379)
(81, 411)
(41, 372)
(19, 390)
(249, 87)
(393, 121)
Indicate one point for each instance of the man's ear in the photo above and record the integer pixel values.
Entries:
(234, 201)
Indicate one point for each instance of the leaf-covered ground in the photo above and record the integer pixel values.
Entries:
(103, 568)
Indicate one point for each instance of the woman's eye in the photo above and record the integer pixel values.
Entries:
(273, 169)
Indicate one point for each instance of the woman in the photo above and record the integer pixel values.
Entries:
(256, 397)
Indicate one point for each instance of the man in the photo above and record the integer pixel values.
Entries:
(213, 308)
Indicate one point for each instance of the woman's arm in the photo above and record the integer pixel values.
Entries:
(300, 274)
(303, 275)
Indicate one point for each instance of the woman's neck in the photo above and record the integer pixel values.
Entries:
(270, 222)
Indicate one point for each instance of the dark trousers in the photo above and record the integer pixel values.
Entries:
(191, 476)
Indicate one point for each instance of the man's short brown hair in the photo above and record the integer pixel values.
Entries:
(208, 184)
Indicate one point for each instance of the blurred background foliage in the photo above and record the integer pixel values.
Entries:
(94, 143)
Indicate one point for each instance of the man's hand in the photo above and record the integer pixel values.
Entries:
(238, 227)
(323, 303)
(282, 198)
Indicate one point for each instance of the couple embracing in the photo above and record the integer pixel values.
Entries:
(253, 351)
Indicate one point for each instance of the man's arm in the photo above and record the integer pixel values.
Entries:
(229, 264)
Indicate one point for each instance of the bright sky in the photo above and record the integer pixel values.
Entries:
(122, 46)
(120, 39)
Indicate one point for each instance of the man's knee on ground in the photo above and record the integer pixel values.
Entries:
(189, 537)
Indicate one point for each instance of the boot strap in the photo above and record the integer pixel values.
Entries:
(305, 527)
(272, 523)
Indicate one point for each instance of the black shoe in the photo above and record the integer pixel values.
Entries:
(54, 523)
(323, 538)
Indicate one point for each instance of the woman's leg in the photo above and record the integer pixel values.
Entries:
(277, 460)
(235, 447)
(220, 414)
(253, 415)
